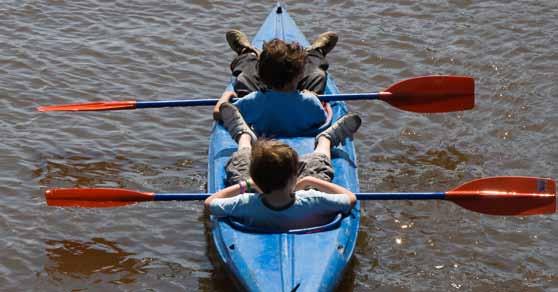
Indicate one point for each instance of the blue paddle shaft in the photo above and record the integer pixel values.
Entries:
(213, 101)
(360, 196)
(349, 96)
(401, 196)
(180, 197)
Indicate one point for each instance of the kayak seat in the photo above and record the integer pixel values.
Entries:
(335, 223)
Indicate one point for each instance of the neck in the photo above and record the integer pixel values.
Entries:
(290, 87)
(279, 198)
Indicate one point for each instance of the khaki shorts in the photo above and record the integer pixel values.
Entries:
(313, 164)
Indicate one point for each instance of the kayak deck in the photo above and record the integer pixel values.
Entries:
(287, 261)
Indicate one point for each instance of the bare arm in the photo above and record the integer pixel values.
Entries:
(324, 186)
(229, 192)
(225, 97)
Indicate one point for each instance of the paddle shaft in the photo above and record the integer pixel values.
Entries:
(180, 197)
(401, 196)
(506, 196)
(360, 196)
(425, 94)
(213, 101)
(376, 196)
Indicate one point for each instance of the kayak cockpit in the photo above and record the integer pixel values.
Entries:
(333, 224)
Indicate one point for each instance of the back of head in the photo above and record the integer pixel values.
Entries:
(272, 164)
(280, 63)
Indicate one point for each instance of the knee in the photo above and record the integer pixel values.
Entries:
(318, 75)
(314, 81)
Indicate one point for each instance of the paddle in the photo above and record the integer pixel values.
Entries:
(427, 94)
(504, 195)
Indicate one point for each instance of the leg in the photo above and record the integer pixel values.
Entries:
(238, 167)
(316, 164)
(343, 128)
(244, 68)
(236, 126)
(315, 76)
(323, 146)
(316, 65)
(244, 63)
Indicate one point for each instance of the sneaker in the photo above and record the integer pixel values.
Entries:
(238, 41)
(234, 122)
(345, 127)
(325, 42)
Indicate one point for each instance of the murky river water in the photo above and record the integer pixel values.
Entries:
(61, 51)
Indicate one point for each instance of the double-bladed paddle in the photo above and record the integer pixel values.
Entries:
(426, 94)
(502, 195)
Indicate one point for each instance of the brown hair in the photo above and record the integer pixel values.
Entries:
(280, 63)
(272, 164)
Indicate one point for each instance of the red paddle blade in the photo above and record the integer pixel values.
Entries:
(91, 106)
(507, 195)
(95, 198)
(432, 94)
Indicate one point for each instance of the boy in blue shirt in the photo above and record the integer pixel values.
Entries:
(275, 106)
(270, 187)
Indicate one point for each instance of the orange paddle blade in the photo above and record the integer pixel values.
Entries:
(432, 94)
(91, 106)
(507, 195)
(98, 197)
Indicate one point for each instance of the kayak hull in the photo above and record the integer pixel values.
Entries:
(303, 260)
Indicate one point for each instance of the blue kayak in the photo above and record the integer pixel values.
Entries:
(311, 259)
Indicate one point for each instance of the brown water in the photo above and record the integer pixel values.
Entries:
(56, 51)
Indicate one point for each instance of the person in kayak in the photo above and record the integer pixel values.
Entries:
(281, 83)
(270, 187)
(245, 65)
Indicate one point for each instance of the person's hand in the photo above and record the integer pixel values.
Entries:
(225, 97)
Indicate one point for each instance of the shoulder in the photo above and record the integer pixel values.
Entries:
(315, 196)
(244, 198)
(326, 203)
(247, 103)
(312, 102)
(251, 97)
(237, 206)
(229, 204)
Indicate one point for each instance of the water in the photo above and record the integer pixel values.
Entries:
(57, 51)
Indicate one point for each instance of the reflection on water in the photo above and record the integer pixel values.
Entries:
(116, 171)
(98, 260)
(448, 158)
(80, 171)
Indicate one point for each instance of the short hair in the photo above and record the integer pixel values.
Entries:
(272, 164)
(280, 63)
